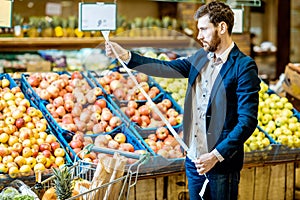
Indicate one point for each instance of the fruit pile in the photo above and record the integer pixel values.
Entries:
(164, 144)
(123, 88)
(25, 145)
(73, 104)
(117, 141)
(175, 86)
(278, 118)
(145, 117)
(257, 141)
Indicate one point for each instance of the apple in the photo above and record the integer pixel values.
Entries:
(7, 159)
(152, 136)
(45, 146)
(47, 153)
(113, 144)
(43, 135)
(126, 147)
(54, 145)
(76, 144)
(39, 167)
(12, 140)
(31, 161)
(59, 152)
(59, 161)
(25, 170)
(13, 172)
(17, 114)
(26, 152)
(19, 123)
(5, 83)
(31, 111)
(27, 143)
(10, 120)
(4, 151)
(20, 161)
(4, 138)
(50, 139)
(162, 133)
(101, 103)
(120, 138)
(3, 168)
(24, 135)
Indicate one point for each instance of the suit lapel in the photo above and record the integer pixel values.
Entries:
(226, 66)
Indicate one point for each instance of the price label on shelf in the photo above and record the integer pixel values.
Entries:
(6, 13)
(97, 16)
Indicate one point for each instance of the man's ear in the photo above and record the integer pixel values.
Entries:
(222, 27)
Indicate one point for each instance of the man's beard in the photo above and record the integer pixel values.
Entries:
(214, 43)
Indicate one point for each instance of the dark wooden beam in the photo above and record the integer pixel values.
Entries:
(283, 36)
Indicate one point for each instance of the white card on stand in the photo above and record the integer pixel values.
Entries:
(97, 16)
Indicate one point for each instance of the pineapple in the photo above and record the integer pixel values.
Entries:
(72, 25)
(63, 183)
(33, 27)
(57, 24)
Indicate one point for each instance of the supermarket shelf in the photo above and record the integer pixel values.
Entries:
(33, 44)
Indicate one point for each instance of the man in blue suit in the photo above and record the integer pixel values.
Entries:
(221, 104)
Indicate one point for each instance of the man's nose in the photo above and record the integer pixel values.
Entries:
(200, 36)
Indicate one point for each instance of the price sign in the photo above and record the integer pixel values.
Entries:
(97, 16)
(6, 13)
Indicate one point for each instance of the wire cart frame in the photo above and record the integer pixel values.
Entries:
(86, 170)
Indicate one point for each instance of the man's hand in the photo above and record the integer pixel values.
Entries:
(122, 53)
(205, 163)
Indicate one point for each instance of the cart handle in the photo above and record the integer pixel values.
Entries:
(92, 147)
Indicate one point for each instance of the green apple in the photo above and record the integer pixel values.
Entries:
(288, 105)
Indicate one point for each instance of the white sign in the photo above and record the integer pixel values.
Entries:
(238, 21)
(97, 16)
(53, 9)
(6, 13)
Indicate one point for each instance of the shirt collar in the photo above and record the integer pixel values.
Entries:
(224, 55)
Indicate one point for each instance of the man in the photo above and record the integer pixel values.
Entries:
(221, 104)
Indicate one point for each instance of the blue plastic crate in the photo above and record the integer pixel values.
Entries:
(130, 138)
(11, 80)
(94, 76)
(62, 133)
(29, 91)
(32, 95)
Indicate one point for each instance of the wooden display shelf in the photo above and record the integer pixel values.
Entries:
(33, 44)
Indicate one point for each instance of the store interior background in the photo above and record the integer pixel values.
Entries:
(263, 21)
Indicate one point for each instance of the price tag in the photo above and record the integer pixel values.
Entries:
(97, 16)
(6, 13)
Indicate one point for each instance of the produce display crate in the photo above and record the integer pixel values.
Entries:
(5, 179)
(94, 76)
(65, 134)
(157, 163)
(32, 95)
(130, 138)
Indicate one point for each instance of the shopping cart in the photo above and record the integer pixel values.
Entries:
(86, 170)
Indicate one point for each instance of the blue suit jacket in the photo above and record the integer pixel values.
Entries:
(231, 115)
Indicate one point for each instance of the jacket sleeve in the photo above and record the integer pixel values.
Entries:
(178, 68)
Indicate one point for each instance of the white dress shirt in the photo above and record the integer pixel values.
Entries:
(202, 90)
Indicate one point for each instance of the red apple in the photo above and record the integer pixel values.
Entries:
(47, 153)
(54, 145)
(45, 146)
(162, 133)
